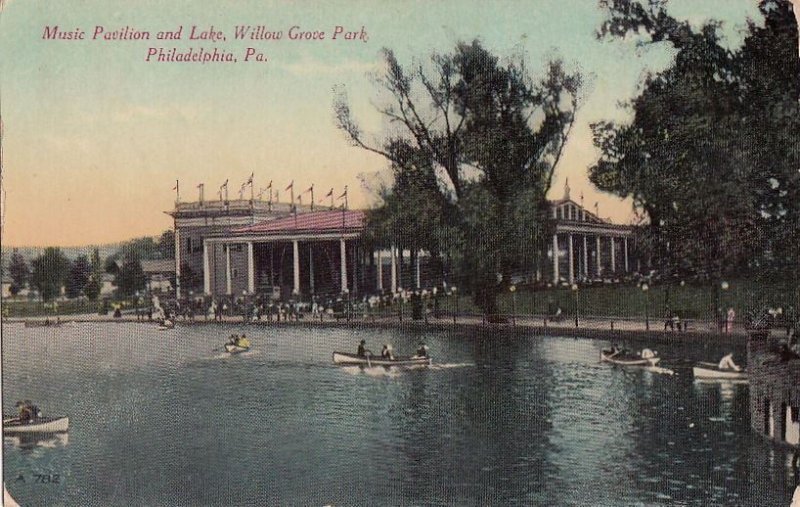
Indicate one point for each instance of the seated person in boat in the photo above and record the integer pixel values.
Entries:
(242, 341)
(362, 349)
(27, 411)
(613, 351)
(386, 352)
(726, 363)
(422, 351)
(647, 354)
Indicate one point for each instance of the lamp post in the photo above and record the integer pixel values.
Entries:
(575, 292)
(454, 291)
(645, 288)
(400, 297)
(724, 286)
(513, 290)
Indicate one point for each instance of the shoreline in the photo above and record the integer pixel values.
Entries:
(592, 329)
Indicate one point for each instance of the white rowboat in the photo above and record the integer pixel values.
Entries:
(710, 371)
(14, 426)
(628, 360)
(235, 349)
(346, 358)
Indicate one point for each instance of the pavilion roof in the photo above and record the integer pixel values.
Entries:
(310, 222)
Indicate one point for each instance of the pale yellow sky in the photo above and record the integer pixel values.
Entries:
(95, 137)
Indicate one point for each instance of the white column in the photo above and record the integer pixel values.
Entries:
(394, 269)
(228, 281)
(400, 267)
(379, 255)
(613, 256)
(555, 259)
(177, 263)
(419, 284)
(311, 267)
(599, 257)
(571, 261)
(251, 269)
(296, 266)
(585, 257)
(625, 250)
(343, 257)
(206, 270)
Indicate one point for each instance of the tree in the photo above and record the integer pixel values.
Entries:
(49, 273)
(166, 244)
(191, 280)
(473, 144)
(693, 158)
(79, 276)
(19, 272)
(130, 278)
(95, 284)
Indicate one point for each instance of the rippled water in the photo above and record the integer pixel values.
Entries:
(162, 418)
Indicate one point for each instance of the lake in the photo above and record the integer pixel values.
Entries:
(165, 418)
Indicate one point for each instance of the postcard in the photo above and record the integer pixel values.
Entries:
(344, 253)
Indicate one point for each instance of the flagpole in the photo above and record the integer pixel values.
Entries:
(177, 192)
(312, 197)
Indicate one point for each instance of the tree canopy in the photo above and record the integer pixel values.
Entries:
(49, 273)
(19, 273)
(710, 154)
(473, 143)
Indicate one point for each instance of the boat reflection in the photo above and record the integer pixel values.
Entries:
(39, 440)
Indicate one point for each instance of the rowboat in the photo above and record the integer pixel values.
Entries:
(166, 324)
(627, 359)
(42, 323)
(13, 426)
(235, 349)
(347, 359)
(711, 371)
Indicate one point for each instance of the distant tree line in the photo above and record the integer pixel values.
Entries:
(52, 271)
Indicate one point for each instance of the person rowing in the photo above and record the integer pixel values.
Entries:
(363, 351)
(386, 352)
(422, 351)
(726, 363)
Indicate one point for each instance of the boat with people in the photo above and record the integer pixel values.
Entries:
(711, 371)
(726, 369)
(622, 357)
(237, 344)
(43, 323)
(365, 357)
(350, 359)
(30, 420)
(14, 426)
(166, 324)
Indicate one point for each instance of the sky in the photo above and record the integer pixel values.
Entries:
(95, 136)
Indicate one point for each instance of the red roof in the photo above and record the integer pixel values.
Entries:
(313, 222)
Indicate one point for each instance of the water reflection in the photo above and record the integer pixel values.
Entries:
(498, 419)
(29, 442)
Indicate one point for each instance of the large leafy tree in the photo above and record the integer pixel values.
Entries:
(95, 283)
(19, 272)
(49, 273)
(79, 275)
(473, 143)
(130, 278)
(710, 153)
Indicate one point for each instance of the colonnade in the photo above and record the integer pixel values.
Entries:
(583, 264)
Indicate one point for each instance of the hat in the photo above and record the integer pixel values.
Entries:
(363, 342)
